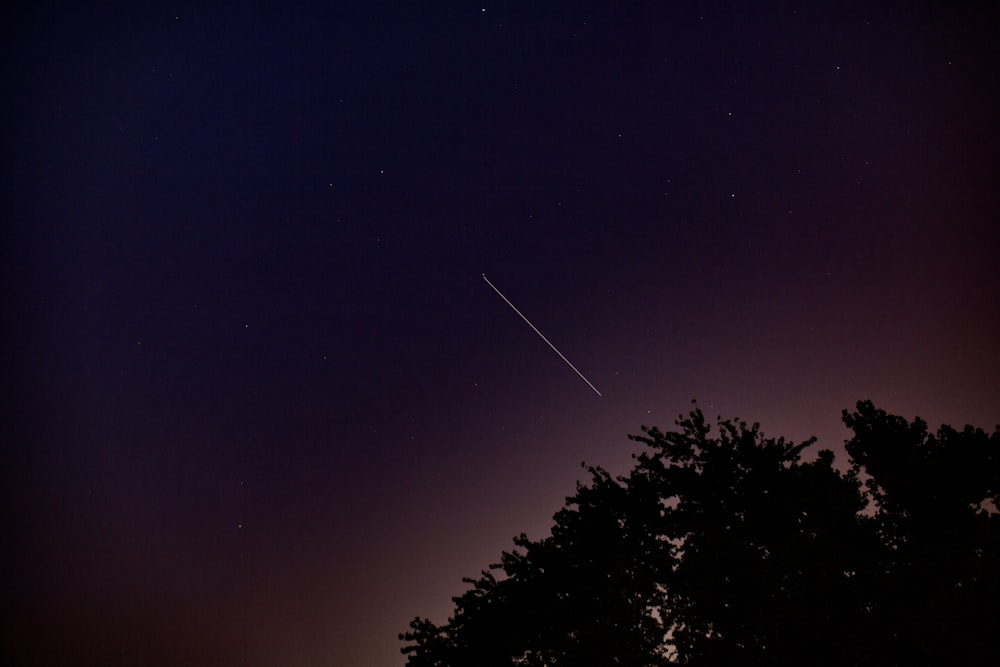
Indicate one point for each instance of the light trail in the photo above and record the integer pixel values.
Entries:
(540, 335)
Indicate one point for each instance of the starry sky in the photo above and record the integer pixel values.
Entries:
(260, 406)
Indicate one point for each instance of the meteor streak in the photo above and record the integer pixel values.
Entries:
(540, 334)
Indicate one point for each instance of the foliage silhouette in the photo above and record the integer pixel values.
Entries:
(725, 547)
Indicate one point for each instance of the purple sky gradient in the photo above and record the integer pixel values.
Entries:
(260, 406)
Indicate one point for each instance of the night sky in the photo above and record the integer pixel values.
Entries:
(260, 406)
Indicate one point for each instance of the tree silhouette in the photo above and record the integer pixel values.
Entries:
(722, 546)
(936, 499)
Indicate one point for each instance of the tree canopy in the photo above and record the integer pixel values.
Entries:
(724, 546)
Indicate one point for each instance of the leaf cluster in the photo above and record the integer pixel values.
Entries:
(724, 546)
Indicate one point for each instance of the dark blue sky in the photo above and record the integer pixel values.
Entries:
(260, 406)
